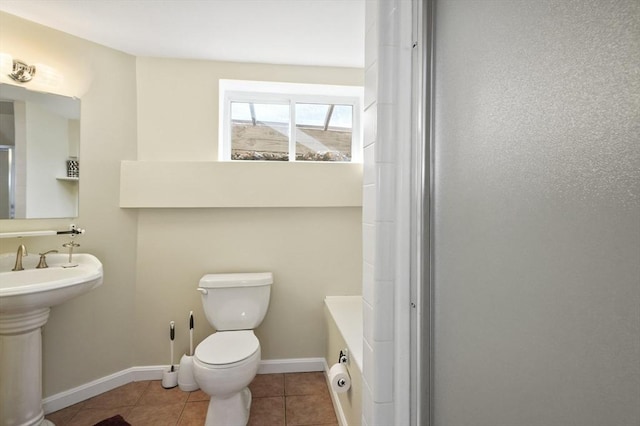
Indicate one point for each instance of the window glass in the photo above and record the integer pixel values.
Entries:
(323, 132)
(311, 114)
(342, 117)
(275, 121)
(259, 131)
(240, 111)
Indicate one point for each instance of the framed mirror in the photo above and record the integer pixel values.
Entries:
(39, 154)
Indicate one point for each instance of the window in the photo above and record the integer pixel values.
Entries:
(289, 122)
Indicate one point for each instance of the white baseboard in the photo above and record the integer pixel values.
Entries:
(154, 372)
(96, 387)
(337, 406)
(291, 365)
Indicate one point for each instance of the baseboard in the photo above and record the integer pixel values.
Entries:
(96, 387)
(291, 365)
(154, 372)
(337, 406)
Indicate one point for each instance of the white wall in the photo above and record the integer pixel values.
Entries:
(385, 212)
(537, 213)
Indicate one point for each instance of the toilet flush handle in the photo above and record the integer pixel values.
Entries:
(203, 290)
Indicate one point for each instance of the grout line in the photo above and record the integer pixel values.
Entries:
(146, 388)
(182, 411)
(285, 410)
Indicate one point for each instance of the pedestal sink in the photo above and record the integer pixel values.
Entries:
(25, 299)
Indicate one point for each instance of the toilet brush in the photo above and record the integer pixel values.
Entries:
(172, 337)
(170, 377)
(186, 380)
(191, 333)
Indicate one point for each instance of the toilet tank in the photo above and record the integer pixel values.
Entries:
(235, 301)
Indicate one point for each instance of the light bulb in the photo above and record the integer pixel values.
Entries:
(48, 76)
(6, 64)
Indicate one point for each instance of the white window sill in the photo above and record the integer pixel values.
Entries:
(209, 184)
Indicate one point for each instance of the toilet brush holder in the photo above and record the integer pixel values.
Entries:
(186, 380)
(170, 377)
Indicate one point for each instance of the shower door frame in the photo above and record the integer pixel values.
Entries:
(422, 168)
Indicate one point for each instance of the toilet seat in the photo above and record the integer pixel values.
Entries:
(225, 348)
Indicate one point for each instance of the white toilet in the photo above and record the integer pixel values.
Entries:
(227, 361)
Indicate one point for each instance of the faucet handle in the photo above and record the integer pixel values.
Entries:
(43, 259)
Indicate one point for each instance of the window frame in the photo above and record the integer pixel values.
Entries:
(291, 94)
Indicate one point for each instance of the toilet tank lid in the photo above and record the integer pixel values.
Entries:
(250, 279)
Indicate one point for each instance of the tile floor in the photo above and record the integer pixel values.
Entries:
(278, 400)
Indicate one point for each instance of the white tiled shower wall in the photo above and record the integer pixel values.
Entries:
(386, 191)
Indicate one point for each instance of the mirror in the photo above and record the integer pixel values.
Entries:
(39, 147)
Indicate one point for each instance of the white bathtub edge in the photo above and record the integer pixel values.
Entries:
(353, 337)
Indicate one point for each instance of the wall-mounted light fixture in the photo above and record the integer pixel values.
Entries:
(22, 72)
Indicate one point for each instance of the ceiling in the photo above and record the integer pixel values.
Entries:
(300, 32)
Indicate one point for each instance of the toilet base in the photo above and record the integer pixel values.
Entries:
(232, 411)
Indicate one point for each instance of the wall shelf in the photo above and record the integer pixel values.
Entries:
(206, 184)
(68, 179)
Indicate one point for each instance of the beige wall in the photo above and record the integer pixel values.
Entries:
(154, 258)
(312, 252)
(178, 101)
(91, 336)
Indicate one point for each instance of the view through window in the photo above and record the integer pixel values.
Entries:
(290, 126)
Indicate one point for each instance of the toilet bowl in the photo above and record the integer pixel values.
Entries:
(227, 361)
(224, 364)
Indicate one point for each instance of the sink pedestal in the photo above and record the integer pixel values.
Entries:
(21, 368)
(25, 299)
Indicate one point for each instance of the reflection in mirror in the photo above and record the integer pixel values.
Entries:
(39, 147)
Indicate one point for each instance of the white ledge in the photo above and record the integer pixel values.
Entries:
(205, 184)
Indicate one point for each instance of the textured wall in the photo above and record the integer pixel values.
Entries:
(537, 255)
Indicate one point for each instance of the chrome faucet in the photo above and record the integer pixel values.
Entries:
(22, 251)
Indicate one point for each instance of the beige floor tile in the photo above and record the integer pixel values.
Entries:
(194, 413)
(198, 396)
(62, 417)
(267, 411)
(312, 383)
(155, 415)
(91, 416)
(310, 410)
(267, 385)
(307, 402)
(122, 396)
(157, 395)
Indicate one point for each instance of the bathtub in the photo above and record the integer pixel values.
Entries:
(343, 318)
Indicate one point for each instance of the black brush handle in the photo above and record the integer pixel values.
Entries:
(191, 322)
(172, 332)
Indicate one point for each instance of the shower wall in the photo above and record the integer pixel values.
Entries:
(537, 213)
(385, 290)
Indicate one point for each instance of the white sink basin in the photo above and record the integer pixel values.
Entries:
(24, 291)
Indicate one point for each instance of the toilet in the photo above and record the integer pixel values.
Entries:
(227, 361)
